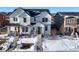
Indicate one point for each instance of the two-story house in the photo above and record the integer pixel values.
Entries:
(70, 21)
(30, 21)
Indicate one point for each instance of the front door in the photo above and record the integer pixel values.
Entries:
(39, 30)
(17, 29)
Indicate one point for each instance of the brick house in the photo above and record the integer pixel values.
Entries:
(3, 19)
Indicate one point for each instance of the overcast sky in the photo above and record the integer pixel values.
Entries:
(52, 9)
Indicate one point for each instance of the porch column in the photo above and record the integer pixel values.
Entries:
(8, 30)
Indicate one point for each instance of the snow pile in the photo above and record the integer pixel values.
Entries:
(3, 35)
(11, 39)
(26, 40)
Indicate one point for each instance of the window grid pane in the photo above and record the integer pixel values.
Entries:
(24, 19)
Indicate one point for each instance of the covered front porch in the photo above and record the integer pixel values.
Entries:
(13, 29)
(38, 29)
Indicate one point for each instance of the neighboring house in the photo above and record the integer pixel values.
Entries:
(3, 19)
(30, 21)
(70, 21)
(58, 19)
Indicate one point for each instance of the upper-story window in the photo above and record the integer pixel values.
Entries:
(15, 19)
(34, 19)
(44, 19)
(25, 19)
(70, 20)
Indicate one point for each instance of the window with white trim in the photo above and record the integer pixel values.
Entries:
(46, 28)
(25, 29)
(44, 19)
(15, 19)
(24, 19)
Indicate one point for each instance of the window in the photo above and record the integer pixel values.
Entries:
(33, 28)
(45, 28)
(67, 29)
(70, 20)
(44, 19)
(25, 29)
(15, 19)
(34, 19)
(24, 19)
(15, 28)
(73, 20)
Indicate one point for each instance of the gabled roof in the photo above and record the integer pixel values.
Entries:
(69, 13)
(9, 13)
(37, 10)
(58, 19)
(33, 12)
(3, 13)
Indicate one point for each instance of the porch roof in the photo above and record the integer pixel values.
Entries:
(13, 24)
(38, 25)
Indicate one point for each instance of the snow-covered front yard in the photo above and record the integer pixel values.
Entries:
(65, 44)
(61, 45)
(56, 45)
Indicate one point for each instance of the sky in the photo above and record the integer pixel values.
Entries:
(51, 9)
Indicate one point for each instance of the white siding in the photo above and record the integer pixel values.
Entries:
(48, 24)
(21, 19)
(29, 30)
(44, 15)
(20, 15)
(15, 14)
(12, 28)
(12, 20)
